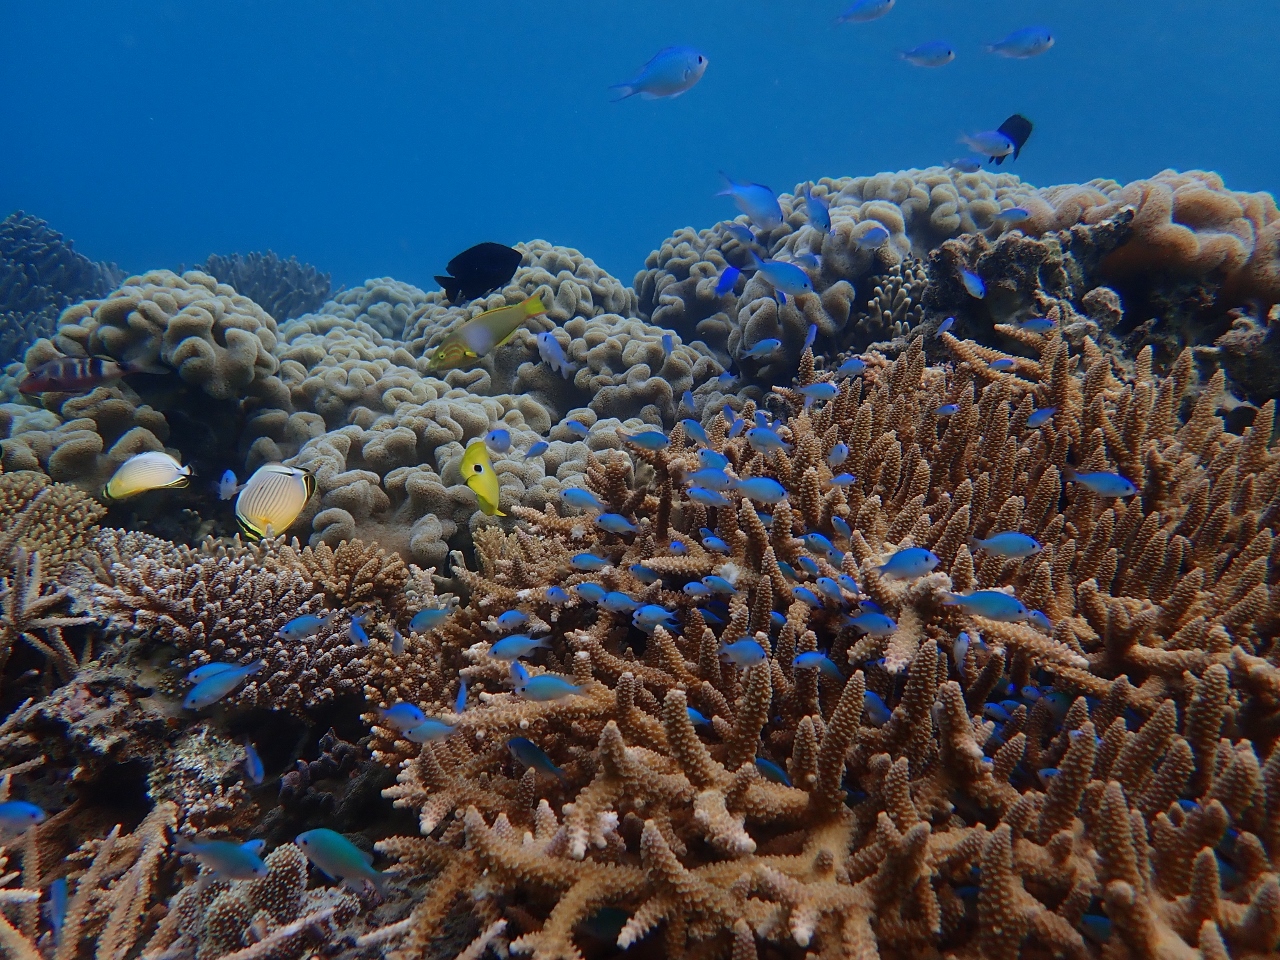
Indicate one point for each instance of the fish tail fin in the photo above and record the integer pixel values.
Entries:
(1069, 472)
(451, 286)
(628, 90)
(183, 844)
(728, 185)
(255, 667)
(974, 542)
(534, 306)
(949, 599)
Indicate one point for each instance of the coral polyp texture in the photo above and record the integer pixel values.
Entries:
(943, 627)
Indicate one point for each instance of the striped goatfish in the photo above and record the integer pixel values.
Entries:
(482, 333)
(81, 374)
(272, 499)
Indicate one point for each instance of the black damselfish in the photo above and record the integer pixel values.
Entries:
(479, 270)
(1017, 128)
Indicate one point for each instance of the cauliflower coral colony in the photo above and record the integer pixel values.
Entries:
(945, 626)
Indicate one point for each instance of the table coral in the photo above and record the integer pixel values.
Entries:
(1162, 616)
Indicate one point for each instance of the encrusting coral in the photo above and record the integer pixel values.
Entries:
(1023, 787)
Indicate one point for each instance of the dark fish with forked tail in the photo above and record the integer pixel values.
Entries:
(479, 270)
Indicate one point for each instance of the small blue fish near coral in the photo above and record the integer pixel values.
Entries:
(208, 670)
(18, 816)
(590, 592)
(991, 604)
(650, 616)
(908, 564)
(580, 499)
(1013, 216)
(785, 278)
(877, 711)
(356, 630)
(227, 486)
(1022, 44)
(552, 354)
(708, 498)
(225, 859)
(727, 279)
(872, 237)
(838, 455)
(740, 232)
(644, 574)
(711, 460)
(948, 410)
(935, 53)
(615, 523)
(1002, 364)
(577, 428)
(588, 562)
(715, 544)
(56, 907)
(214, 688)
(253, 768)
(646, 440)
(819, 660)
(498, 440)
(852, 367)
(1041, 417)
(719, 585)
(339, 858)
(841, 480)
(761, 489)
(945, 326)
(973, 284)
(696, 718)
(556, 596)
(617, 602)
(874, 624)
(771, 771)
(307, 625)
(757, 201)
(989, 143)
(817, 210)
(1009, 544)
(805, 595)
(546, 687)
(696, 590)
(512, 620)
(817, 391)
(460, 701)
(864, 11)
(529, 754)
(1102, 483)
(537, 450)
(671, 72)
(711, 479)
(965, 164)
(695, 432)
(516, 646)
(428, 619)
(402, 716)
(765, 440)
(428, 731)
(668, 344)
(742, 653)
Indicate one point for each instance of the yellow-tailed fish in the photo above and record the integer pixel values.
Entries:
(478, 473)
(153, 470)
(483, 333)
(272, 498)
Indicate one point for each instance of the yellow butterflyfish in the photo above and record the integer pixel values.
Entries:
(483, 333)
(478, 473)
(153, 470)
(272, 499)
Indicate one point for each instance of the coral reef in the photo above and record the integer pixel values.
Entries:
(283, 288)
(40, 276)
(1024, 786)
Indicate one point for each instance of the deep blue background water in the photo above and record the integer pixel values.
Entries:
(379, 138)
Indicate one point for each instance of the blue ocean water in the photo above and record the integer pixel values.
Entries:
(380, 138)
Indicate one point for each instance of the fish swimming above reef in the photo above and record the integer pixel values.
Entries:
(151, 470)
(478, 474)
(756, 200)
(483, 333)
(1018, 130)
(671, 72)
(479, 270)
(226, 859)
(341, 859)
(272, 499)
(935, 53)
(1023, 44)
(81, 374)
(864, 11)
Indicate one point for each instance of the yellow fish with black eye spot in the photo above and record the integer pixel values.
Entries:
(483, 333)
(478, 473)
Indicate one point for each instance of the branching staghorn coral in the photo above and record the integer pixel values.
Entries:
(1023, 789)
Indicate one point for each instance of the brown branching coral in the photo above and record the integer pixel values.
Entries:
(1073, 773)
(39, 516)
(35, 615)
